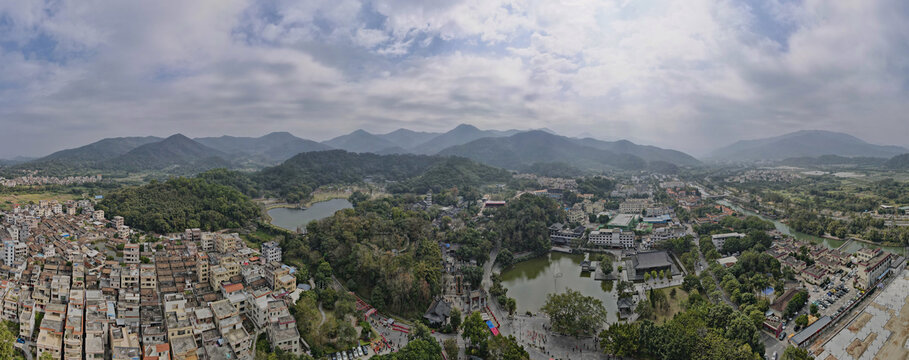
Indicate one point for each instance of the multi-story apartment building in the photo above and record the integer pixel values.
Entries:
(271, 251)
(147, 277)
(227, 243)
(131, 253)
(73, 333)
(50, 333)
(202, 268)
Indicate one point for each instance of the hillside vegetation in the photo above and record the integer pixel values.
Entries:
(181, 203)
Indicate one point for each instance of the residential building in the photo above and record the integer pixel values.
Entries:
(271, 251)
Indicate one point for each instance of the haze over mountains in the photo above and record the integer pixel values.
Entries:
(510, 149)
(804, 143)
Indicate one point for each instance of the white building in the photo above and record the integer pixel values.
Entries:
(9, 252)
(612, 237)
(720, 239)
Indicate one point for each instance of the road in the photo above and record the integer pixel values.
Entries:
(702, 265)
(26, 349)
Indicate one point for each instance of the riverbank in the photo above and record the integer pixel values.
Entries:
(830, 242)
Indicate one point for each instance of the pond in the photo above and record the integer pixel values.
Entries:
(530, 281)
(291, 218)
(828, 243)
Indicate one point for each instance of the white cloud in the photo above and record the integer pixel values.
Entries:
(674, 73)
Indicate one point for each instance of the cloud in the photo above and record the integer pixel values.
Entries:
(690, 75)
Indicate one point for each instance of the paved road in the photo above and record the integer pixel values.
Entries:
(772, 345)
(26, 349)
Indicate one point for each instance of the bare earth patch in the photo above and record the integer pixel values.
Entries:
(859, 323)
(894, 347)
(857, 348)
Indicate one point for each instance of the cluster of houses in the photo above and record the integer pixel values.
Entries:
(48, 180)
(195, 295)
(867, 265)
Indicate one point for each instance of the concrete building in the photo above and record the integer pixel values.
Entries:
(633, 206)
(616, 238)
(50, 334)
(720, 239)
(271, 251)
(131, 253)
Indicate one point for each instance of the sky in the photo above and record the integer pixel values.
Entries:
(691, 75)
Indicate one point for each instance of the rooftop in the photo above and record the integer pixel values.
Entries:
(654, 259)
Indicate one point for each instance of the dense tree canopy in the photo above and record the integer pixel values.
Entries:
(523, 224)
(574, 314)
(383, 250)
(180, 203)
(703, 331)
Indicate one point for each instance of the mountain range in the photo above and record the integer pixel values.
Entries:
(513, 149)
(804, 143)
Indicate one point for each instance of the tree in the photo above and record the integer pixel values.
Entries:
(644, 309)
(506, 348)
(575, 314)
(347, 334)
(741, 328)
(646, 277)
(511, 304)
(473, 275)
(323, 274)
(475, 330)
(814, 309)
(455, 319)
(796, 303)
(620, 339)
(801, 320)
(7, 339)
(505, 257)
(451, 348)
(794, 353)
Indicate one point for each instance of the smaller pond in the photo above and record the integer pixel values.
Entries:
(291, 218)
(530, 281)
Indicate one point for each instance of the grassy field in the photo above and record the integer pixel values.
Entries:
(7, 200)
(675, 304)
(253, 240)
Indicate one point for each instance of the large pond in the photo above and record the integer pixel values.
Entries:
(530, 281)
(829, 243)
(291, 218)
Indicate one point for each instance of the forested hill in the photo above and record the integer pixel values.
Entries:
(180, 203)
(898, 162)
(453, 172)
(297, 177)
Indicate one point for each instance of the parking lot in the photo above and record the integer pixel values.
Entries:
(832, 299)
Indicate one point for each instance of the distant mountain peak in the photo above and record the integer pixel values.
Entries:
(466, 127)
(803, 143)
(177, 137)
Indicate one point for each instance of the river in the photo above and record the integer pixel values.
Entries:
(530, 281)
(291, 218)
(829, 243)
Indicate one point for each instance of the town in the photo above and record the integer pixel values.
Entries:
(79, 283)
